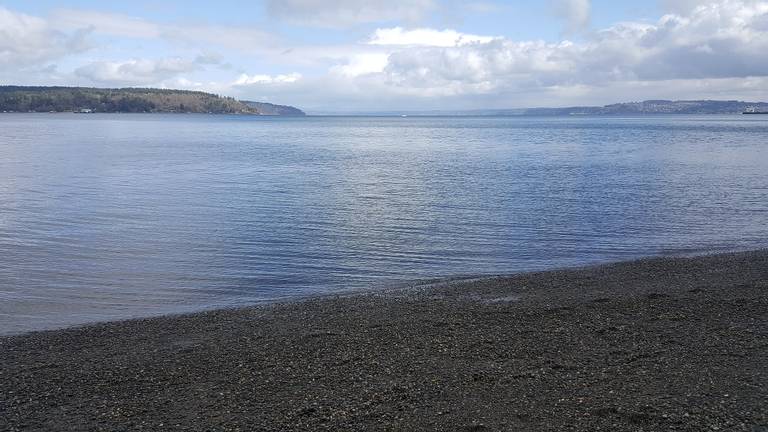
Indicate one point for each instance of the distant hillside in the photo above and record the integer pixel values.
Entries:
(645, 107)
(126, 100)
(265, 108)
(649, 107)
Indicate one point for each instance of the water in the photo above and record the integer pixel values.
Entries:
(114, 216)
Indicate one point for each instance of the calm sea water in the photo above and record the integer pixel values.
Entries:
(114, 216)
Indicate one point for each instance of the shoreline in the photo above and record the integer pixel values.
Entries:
(664, 343)
(386, 288)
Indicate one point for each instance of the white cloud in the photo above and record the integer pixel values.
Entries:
(362, 64)
(424, 37)
(135, 72)
(343, 13)
(715, 41)
(245, 79)
(392, 40)
(28, 40)
(185, 83)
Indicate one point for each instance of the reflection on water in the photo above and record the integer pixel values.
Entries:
(112, 216)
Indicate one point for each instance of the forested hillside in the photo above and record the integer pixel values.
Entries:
(127, 100)
(271, 109)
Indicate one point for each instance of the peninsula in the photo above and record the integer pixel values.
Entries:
(130, 100)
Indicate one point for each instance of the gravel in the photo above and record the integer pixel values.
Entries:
(673, 344)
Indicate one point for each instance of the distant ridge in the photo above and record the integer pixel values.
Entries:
(129, 100)
(656, 107)
(649, 107)
(266, 108)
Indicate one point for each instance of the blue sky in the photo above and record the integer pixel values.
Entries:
(349, 55)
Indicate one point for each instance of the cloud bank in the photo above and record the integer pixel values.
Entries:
(723, 42)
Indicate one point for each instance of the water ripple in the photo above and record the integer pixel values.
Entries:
(113, 216)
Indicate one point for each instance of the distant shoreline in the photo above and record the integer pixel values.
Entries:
(658, 343)
(151, 113)
(88, 100)
(648, 107)
(629, 115)
(411, 116)
(140, 99)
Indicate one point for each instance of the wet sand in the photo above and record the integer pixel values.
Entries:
(650, 345)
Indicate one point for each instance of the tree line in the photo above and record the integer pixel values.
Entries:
(127, 100)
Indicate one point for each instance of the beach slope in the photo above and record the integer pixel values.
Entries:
(656, 344)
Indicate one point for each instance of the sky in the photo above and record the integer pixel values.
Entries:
(377, 55)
